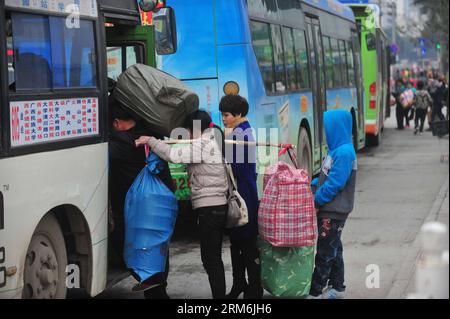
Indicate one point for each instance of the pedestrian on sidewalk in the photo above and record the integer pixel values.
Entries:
(334, 200)
(423, 102)
(409, 110)
(399, 109)
(244, 250)
(209, 184)
(437, 92)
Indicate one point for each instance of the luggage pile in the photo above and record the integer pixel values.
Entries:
(160, 99)
(288, 231)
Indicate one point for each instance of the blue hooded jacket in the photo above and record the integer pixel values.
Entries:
(336, 184)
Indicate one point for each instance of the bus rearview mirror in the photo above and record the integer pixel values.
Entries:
(165, 31)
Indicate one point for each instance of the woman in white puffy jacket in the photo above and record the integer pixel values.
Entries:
(209, 185)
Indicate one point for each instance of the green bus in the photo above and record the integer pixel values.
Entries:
(375, 56)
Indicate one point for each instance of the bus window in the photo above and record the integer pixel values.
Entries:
(47, 54)
(266, 9)
(263, 51)
(328, 61)
(122, 57)
(289, 57)
(351, 66)
(32, 52)
(114, 61)
(280, 71)
(337, 78)
(302, 59)
(343, 54)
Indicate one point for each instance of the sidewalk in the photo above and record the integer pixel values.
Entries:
(404, 283)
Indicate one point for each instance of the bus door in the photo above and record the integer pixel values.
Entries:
(318, 83)
(127, 46)
(359, 83)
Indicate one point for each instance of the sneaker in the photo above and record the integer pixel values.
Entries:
(416, 131)
(333, 294)
(421, 133)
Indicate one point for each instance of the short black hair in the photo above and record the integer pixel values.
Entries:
(199, 115)
(420, 85)
(234, 104)
(118, 111)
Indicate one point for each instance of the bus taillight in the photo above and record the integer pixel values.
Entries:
(373, 89)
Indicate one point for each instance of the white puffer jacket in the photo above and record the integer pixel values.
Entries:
(207, 175)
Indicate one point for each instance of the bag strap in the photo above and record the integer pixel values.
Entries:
(147, 150)
(230, 176)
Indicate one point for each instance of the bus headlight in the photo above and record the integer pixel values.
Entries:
(231, 88)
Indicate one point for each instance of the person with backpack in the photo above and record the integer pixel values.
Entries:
(422, 102)
(244, 250)
(334, 201)
(209, 185)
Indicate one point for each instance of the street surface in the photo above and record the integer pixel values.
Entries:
(400, 185)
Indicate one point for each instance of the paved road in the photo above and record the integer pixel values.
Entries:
(399, 185)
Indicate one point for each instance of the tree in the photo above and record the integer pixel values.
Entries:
(438, 17)
(437, 24)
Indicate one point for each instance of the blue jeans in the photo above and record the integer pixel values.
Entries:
(329, 263)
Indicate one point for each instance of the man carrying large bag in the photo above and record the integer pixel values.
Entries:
(125, 163)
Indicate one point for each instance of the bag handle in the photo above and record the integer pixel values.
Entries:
(147, 150)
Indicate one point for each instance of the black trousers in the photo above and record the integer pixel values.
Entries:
(419, 121)
(245, 256)
(399, 112)
(437, 111)
(211, 223)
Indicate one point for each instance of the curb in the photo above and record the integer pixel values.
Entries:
(405, 275)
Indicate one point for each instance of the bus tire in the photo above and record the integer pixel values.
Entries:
(304, 151)
(45, 263)
(373, 140)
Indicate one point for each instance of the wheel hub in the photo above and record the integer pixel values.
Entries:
(41, 271)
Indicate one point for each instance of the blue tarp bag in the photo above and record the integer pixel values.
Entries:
(150, 214)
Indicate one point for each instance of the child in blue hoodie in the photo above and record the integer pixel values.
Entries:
(334, 199)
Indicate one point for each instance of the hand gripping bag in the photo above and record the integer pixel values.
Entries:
(150, 215)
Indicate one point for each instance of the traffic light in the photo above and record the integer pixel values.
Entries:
(438, 45)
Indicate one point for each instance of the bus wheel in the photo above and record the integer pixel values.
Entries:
(373, 140)
(304, 151)
(45, 263)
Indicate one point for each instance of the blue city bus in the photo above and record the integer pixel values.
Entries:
(291, 59)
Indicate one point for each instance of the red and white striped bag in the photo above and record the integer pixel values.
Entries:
(286, 216)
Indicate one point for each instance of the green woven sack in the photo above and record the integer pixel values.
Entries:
(286, 271)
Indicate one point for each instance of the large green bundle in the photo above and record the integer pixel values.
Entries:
(286, 271)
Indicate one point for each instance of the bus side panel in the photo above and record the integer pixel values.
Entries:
(207, 92)
(231, 26)
(196, 55)
(30, 197)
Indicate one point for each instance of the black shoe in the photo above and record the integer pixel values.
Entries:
(158, 292)
(236, 291)
(254, 292)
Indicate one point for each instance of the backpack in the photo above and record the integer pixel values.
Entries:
(422, 101)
